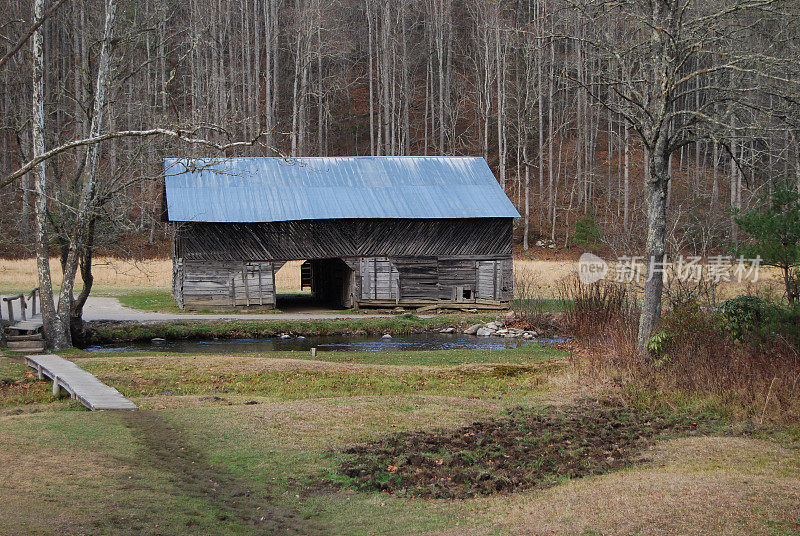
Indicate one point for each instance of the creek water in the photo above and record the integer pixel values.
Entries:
(355, 343)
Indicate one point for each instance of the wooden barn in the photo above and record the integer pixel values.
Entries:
(378, 231)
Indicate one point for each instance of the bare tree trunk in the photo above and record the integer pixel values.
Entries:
(370, 74)
(440, 52)
(302, 111)
(296, 95)
(62, 337)
(269, 62)
(40, 207)
(527, 201)
(540, 105)
(320, 93)
(76, 315)
(734, 181)
(501, 108)
(386, 114)
(626, 179)
(406, 84)
(551, 198)
(162, 62)
(656, 195)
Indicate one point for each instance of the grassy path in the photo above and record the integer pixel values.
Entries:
(189, 470)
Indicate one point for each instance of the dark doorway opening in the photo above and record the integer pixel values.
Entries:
(331, 282)
(324, 284)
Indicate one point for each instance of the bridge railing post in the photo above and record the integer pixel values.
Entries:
(33, 295)
(10, 309)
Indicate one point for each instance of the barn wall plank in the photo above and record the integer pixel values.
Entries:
(425, 261)
(320, 239)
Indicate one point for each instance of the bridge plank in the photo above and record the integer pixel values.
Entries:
(34, 323)
(80, 384)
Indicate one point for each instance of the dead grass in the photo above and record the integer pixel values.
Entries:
(288, 277)
(693, 486)
(112, 275)
(109, 273)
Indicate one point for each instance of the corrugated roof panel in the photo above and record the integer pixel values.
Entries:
(278, 189)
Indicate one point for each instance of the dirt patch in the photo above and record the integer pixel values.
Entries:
(526, 449)
(233, 499)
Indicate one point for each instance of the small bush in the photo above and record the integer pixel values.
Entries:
(587, 232)
(742, 315)
(759, 321)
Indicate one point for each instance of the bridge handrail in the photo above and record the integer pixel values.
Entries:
(22, 304)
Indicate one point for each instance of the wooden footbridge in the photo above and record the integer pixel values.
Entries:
(78, 383)
(25, 335)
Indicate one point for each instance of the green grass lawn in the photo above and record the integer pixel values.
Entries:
(150, 300)
(161, 301)
(247, 444)
(527, 354)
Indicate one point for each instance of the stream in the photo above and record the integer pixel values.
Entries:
(354, 343)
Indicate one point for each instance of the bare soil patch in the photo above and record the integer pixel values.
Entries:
(527, 449)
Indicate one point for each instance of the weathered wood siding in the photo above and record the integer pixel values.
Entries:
(219, 284)
(379, 279)
(321, 239)
(357, 262)
(419, 278)
(455, 274)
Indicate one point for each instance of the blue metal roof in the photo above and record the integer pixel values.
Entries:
(279, 189)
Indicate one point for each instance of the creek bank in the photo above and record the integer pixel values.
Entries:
(513, 327)
(106, 332)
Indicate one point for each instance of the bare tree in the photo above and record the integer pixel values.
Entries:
(666, 57)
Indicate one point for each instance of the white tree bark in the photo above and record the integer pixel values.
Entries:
(61, 336)
(40, 207)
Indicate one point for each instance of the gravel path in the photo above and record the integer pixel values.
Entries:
(100, 308)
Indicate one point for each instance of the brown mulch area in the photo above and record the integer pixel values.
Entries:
(526, 449)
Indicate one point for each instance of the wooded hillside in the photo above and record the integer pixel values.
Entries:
(544, 89)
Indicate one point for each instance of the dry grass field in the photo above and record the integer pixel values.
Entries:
(113, 277)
